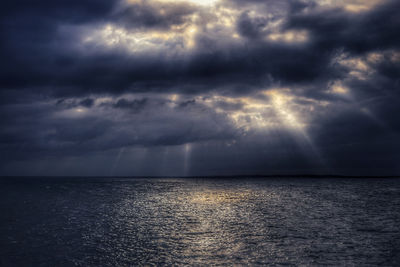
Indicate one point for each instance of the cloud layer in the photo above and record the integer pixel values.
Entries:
(142, 87)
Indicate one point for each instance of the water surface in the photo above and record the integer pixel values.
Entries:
(125, 222)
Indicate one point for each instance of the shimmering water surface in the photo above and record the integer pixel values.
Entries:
(125, 222)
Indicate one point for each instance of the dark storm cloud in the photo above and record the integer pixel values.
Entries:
(88, 102)
(31, 49)
(37, 56)
(63, 128)
(374, 30)
(134, 105)
(62, 97)
(251, 27)
(355, 141)
(145, 14)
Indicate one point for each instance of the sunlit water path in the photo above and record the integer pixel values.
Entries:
(125, 222)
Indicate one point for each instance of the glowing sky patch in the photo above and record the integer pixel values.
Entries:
(289, 37)
(196, 2)
(200, 87)
(113, 37)
(354, 6)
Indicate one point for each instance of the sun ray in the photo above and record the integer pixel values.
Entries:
(187, 149)
(291, 120)
(116, 161)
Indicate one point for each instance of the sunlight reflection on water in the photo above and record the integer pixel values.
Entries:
(124, 222)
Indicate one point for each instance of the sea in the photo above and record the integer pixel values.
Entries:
(89, 221)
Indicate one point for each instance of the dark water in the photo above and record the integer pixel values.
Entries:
(125, 222)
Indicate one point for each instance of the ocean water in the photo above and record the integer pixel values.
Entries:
(199, 222)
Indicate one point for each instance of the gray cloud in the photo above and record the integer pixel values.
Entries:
(248, 86)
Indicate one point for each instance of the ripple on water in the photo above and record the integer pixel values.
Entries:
(124, 222)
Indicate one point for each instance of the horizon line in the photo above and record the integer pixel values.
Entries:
(206, 176)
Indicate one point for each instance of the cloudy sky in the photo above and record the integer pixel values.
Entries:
(208, 87)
